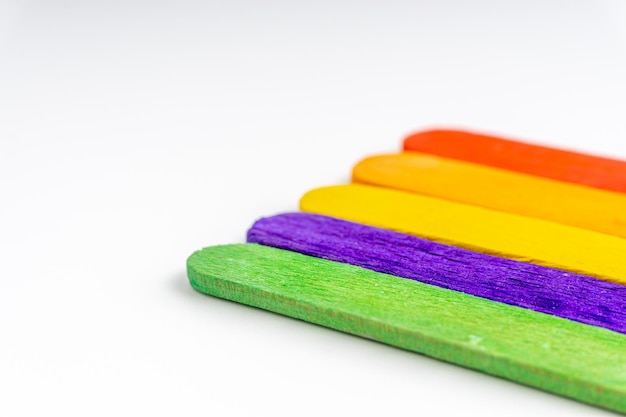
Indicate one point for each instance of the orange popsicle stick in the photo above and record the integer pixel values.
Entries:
(542, 161)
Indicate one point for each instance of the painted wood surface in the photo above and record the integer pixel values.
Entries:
(551, 291)
(475, 228)
(572, 204)
(528, 158)
(583, 362)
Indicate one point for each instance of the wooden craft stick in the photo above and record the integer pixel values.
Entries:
(557, 164)
(582, 362)
(551, 291)
(498, 189)
(475, 228)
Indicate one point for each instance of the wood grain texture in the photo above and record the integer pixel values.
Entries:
(557, 164)
(564, 357)
(475, 228)
(551, 291)
(572, 204)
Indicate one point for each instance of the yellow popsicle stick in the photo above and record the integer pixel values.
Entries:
(498, 189)
(475, 228)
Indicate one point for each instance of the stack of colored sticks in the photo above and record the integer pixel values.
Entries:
(500, 256)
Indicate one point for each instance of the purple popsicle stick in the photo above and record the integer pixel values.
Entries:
(547, 290)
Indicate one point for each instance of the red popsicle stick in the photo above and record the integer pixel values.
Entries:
(542, 161)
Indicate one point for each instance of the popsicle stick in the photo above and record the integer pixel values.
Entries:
(582, 362)
(557, 164)
(572, 204)
(475, 228)
(551, 291)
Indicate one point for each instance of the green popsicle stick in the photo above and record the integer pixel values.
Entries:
(582, 362)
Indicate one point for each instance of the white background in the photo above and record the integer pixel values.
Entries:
(135, 132)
